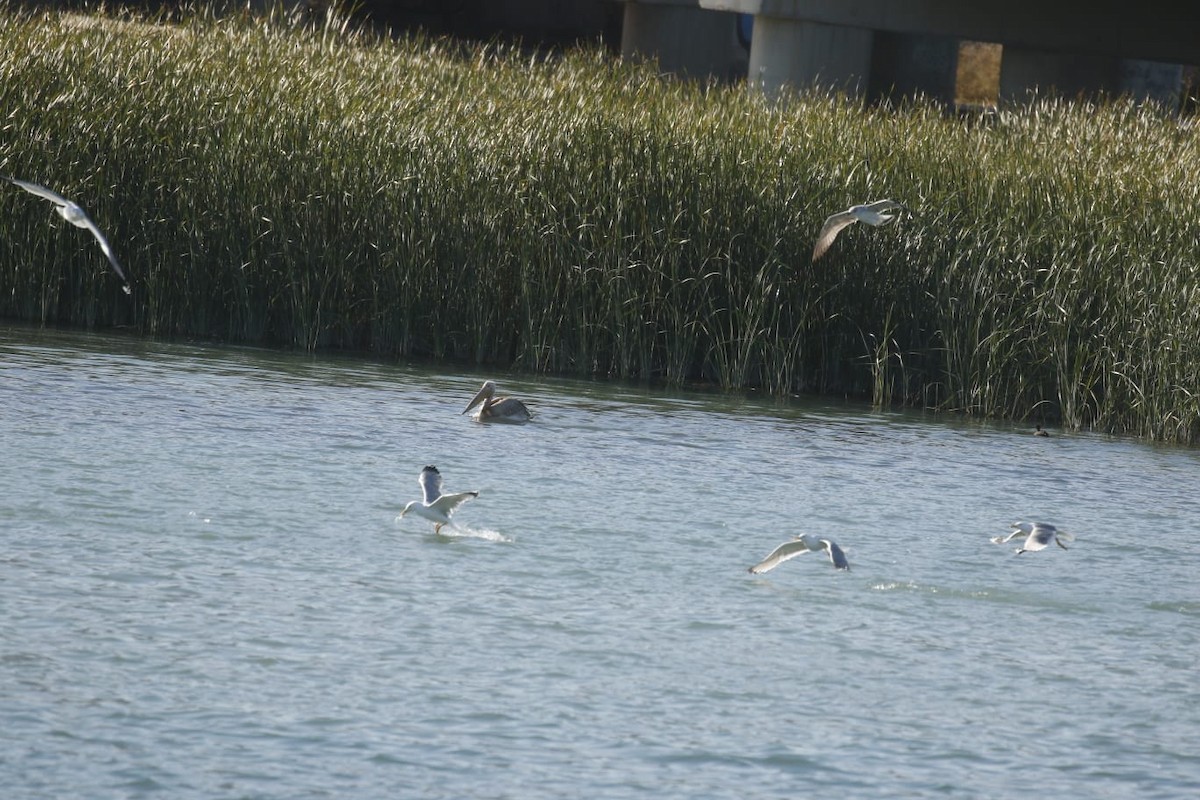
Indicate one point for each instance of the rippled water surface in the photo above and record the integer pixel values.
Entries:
(204, 592)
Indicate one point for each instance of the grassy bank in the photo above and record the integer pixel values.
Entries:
(319, 189)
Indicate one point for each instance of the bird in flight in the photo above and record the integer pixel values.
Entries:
(75, 215)
(880, 212)
(1038, 536)
(800, 545)
(435, 506)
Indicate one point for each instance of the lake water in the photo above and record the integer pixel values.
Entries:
(204, 591)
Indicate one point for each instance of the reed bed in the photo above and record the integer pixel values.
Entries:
(313, 187)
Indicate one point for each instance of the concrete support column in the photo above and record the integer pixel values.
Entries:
(1023, 72)
(803, 54)
(1153, 80)
(684, 38)
(905, 65)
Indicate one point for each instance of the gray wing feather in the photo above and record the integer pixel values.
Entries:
(448, 502)
(829, 231)
(40, 191)
(91, 226)
(431, 484)
(886, 205)
(784, 552)
(835, 554)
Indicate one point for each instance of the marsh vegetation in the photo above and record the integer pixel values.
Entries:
(319, 188)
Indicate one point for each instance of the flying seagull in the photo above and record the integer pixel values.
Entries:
(1037, 536)
(497, 409)
(878, 213)
(75, 215)
(436, 507)
(798, 546)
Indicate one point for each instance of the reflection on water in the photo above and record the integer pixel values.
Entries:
(206, 591)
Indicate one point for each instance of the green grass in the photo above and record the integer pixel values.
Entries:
(317, 188)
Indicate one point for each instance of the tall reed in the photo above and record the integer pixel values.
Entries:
(314, 187)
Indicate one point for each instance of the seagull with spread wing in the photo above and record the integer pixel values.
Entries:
(1038, 536)
(75, 215)
(799, 546)
(436, 507)
(880, 212)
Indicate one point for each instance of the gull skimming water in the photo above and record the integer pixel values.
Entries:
(436, 507)
(75, 215)
(497, 409)
(876, 213)
(1038, 536)
(800, 545)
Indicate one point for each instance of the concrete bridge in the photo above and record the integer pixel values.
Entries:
(877, 48)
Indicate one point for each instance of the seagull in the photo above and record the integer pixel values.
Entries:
(497, 409)
(1037, 536)
(75, 215)
(436, 507)
(877, 213)
(798, 546)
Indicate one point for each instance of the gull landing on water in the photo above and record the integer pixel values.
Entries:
(497, 409)
(876, 213)
(75, 215)
(1037, 536)
(800, 545)
(436, 507)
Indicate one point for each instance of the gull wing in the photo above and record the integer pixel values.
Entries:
(1038, 538)
(431, 484)
(448, 502)
(91, 226)
(1010, 537)
(784, 552)
(880, 206)
(64, 203)
(40, 191)
(829, 231)
(835, 554)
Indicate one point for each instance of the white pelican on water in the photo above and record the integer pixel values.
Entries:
(1037, 536)
(75, 215)
(497, 409)
(436, 507)
(798, 546)
(877, 213)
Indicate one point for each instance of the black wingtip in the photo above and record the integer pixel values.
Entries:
(431, 468)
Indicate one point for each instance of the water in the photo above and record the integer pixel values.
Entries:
(204, 592)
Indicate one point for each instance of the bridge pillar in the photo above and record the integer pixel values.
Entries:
(799, 53)
(684, 38)
(1024, 71)
(906, 65)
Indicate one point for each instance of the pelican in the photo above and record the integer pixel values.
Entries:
(1037, 536)
(798, 546)
(877, 213)
(497, 409)
(75, 215)
(436, 507)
